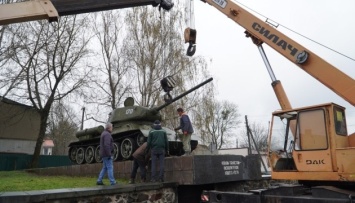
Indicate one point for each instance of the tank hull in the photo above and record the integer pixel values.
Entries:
(125, 143)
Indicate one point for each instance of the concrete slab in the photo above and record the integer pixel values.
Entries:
(186, 170)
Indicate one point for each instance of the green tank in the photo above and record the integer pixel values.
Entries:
(131, 125)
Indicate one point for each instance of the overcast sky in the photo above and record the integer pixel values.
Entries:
(239, 71)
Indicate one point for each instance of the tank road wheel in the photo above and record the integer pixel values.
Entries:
(90, 154)
(72, 154)
(128, 146)
(80, 155)
(116, 151)
(97, 154)
(140, 139)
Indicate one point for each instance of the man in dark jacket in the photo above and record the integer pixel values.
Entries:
(140, 159)
(106, 149)
(187, 130)
(159, 145)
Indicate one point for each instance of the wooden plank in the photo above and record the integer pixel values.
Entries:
(27, 11)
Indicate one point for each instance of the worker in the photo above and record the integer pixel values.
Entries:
(187, 130)
(159, 145)
(140, 160)
(106, 149)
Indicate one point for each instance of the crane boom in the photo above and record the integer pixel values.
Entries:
(262, 32)
(52, 9)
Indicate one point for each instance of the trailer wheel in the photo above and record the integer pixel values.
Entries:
(72, 154)
(80, 156)
(116, 151)
(90, 154)
(128, 146)
(97, 154)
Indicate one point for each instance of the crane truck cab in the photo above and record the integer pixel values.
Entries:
(318, 150)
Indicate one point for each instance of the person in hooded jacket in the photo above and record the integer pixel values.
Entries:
(187, 130)
(140, 160)
(158, 144)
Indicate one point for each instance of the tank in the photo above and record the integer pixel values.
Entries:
(131, 126)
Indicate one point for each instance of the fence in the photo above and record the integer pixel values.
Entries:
(10, 162)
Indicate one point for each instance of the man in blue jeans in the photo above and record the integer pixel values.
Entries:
(159, 145)
(106, 149)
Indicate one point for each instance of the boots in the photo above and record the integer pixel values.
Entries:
(131, 181)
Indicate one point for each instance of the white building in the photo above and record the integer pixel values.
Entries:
(47, 147)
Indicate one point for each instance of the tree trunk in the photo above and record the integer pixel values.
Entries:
(42, 132)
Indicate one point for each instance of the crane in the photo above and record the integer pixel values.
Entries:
(318, 149)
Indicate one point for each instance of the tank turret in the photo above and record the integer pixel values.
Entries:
(131, 126)
(130, 112)
(135, 113)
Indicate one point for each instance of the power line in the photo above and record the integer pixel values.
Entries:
(320, 44)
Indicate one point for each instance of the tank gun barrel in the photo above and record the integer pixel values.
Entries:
(183, 94)
(93, 132)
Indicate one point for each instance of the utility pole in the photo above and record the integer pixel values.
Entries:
(82, 118)
(249, 142)
(250, 137)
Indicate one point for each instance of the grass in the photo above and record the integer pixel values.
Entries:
(11, 181)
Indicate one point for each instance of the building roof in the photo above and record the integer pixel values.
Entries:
(48, 143)
(9, 101)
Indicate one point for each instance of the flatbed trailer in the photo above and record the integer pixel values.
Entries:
(282, 193)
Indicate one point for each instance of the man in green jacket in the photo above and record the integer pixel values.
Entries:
(159, 145)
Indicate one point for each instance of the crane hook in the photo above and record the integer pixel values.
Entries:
(190, 37)
(191, 49)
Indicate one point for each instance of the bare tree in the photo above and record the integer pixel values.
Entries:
(8, 79)
(112, 78)
(216, 120)
(4, 45)
(49, 58)
(154, 49)
(259, 133)
(62, 128)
